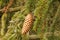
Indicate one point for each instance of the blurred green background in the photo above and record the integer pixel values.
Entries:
(46, 24)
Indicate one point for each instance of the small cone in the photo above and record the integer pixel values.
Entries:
(27, 23)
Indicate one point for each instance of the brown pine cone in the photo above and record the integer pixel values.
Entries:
(27, 23)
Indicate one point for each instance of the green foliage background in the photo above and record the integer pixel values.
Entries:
(46, 24)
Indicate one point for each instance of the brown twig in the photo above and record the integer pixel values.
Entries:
(5, 9)
(13, 9)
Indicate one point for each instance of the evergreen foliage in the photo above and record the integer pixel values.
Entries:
(46, 22)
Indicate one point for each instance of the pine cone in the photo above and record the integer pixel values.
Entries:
(27, 23)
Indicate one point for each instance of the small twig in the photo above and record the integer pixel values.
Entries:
(34, 36)
(5, 9)
(12, 9)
